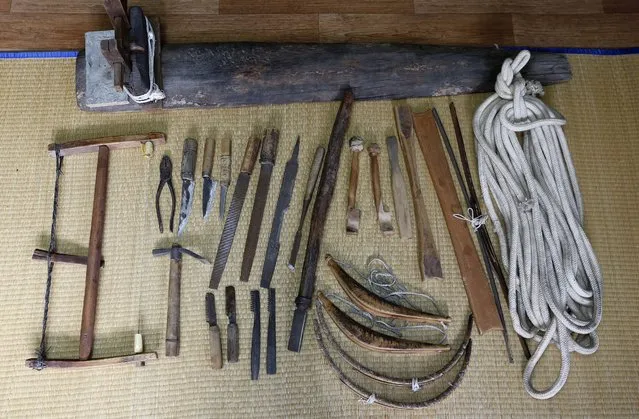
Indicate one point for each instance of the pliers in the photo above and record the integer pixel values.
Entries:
(166, 173)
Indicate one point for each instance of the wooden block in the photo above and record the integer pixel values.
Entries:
(315, 6)
(240, 28)
(595, 31)
(538, 7)
(436, 29)
(151, 7)
(620, 6)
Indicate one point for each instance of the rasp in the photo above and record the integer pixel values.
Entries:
(214, 332)
(225, 173)
(232, 331)
(257, 335)
(189, 157)
(267, 161)
(233, 217)
(286, 193)
(209, 185)
(271, 339)
(311, 182)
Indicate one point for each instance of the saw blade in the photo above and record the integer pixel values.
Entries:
(208, 196)
(230, 225)
(186, 205)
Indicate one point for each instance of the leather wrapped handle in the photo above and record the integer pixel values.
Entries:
(189, 159)
(209, 155)
(269, 146)
(225, 161)
(250, 155)
(216, 347)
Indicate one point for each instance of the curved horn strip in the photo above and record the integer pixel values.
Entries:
(386, 402)
(368, 301)
(396, 381)
(373, 340)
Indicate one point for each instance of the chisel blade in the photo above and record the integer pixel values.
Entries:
(189, 157)
(283, 202)
(208, 195)
(186, 206)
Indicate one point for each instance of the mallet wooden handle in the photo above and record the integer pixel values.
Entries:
(173, 310)
(94, 258)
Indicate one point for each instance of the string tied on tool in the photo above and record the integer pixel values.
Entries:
(414, 386)
(475, 222)
(154, 93)
(370, 400)
(532, 197)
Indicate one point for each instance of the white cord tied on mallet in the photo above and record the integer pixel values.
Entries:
(532, 197)
(154, 93)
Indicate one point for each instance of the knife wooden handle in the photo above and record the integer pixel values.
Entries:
(373, 152)
(209, 155)
(216, 347)
(269, 146)
(189, 159)
(225, 161)
(400, 195)
(250, 155)
(232, 342)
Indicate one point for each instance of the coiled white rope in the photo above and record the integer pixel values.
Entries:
(533, 200)
(154, 93)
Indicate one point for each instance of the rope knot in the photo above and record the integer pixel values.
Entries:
(475, 222)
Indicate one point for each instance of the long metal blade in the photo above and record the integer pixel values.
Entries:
(188, 188)
(261, 196)
(208, 195)
(283, 202)
(226, 241)
(223, 189)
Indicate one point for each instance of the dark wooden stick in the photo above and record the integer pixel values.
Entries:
(318, 220)
(95, 254)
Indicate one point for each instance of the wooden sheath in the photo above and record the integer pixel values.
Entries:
(94, 257)
(477, 287)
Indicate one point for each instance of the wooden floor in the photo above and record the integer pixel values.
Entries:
(56, 24)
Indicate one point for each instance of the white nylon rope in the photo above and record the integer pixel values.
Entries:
(533, 200)
(154, 93)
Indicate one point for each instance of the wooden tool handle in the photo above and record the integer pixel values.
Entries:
(173, 310)
(216, 347)
(209, 155)
(373, 152)
(95, 254)
(189, 159)
(113, 143)
(353, 180)
(250, 155)
(313, 175)
(400, 195)
(225, 161)
(232, 342)
(269, 146)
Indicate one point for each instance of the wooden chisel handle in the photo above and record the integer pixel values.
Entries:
(209, 155)
(172, 343)
(225, 162)
(216, 347)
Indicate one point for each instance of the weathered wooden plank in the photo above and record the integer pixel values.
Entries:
(315, 6)
(621, 6)
(537, 7)
(237, 74)
(151, 7)
(432, 29)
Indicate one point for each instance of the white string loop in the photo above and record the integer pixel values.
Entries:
(154, 93)
(530, 189)
(475, 222)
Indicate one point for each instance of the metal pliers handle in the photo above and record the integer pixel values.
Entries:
(166, 173)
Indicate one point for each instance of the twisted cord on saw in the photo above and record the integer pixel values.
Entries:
(42, 351)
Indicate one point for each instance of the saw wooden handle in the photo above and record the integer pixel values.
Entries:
(209, 155)
(172, 340)
(250, 155)
(216, 347)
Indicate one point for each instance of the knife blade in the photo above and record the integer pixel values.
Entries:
(189, 158)
(283, 202)
(209, 185)
(225, 173)
(267, 161)
(235, 210)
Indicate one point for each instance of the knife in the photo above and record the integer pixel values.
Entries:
(233, 217)
(286, 193)
(267, 161)
(189, 157)
(209, 185)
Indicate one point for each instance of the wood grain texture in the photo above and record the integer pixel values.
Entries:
(620, 6)
(315, 6)
(596, 30)
(5, 6)
(151, 7)
(438, 29)
(538, 7)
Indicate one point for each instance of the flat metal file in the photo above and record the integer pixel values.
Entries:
(225, 173)
(233, 217)
(257, 335)
(283, 202)
(271, 339)
(209, 185)
(267, 161)
(189, 158)
(232, 330)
